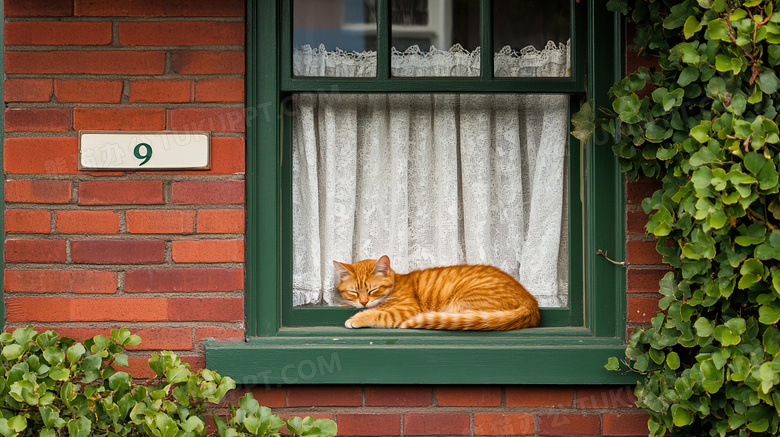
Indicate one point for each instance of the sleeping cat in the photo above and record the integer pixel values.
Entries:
(462, 297)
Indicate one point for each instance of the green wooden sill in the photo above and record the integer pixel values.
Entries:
(388, 356)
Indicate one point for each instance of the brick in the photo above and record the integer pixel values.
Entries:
(539, 396)
(645, 280)
(369, 424)
(88, 91)
(639, 190)
(208, 251)
(37, 309)
(156, 8)
(160, 221)
(504, 424)
(398, 395)
(437, 424)
(207, 62)
(34, 251)
(60, 33)
(160, 91)
(220, 334)
(57, 281)
(625, 424)
(635, 222)
(184, 280)
(219, 90)
(203, 192)
(180, 33)
(206, 309)
(27, 221)
(105, 309)
(164, 339)
(37, 120)
(208, 119)
(220, 221)
(569, 424)
(138, 367)
(42, 191)
(120, 192)
(643, 252)
(87, 222)
(605, 397)
(27, 90)
(271, 397)
(36, 281)
(34, 155)
(38, 8)
(117, 251)
(642, 309)
(227, 155)
(468, 396)
(119, 119)
(321, 395)
(85, 62)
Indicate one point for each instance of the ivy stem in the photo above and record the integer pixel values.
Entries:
(604, 254)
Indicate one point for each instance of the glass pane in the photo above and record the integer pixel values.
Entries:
(531, 38)
(435, 38)
(334, 38)
(430, 180)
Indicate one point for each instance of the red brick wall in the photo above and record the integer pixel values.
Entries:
(162, 253)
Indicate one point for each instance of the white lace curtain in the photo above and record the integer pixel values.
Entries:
(429, 179)
(552, 61)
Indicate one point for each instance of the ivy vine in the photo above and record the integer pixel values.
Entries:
(705, 122)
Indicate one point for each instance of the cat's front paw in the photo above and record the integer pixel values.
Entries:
(352, 323)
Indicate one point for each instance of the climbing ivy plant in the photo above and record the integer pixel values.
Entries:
(705, 122)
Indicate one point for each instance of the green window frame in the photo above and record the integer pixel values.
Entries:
(310, 345)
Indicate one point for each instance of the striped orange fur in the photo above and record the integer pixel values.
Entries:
(461, 297)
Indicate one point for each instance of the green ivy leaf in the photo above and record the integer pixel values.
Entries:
(12, 351)
(584, 122)
(81, 427)
(681, 416)
(768, 82)
(769, 314)
(688, 75)
(703, 327)
(691, 26)
(673, 360)
(75, 352)
(718, 29)
(701, 132)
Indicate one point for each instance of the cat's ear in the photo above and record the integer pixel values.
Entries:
(382, 266)
(341, 270)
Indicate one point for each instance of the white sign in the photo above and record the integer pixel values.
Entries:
(101, 150)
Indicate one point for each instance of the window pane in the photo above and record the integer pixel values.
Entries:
(334, 39)
(435, 38)
(430, 180)
(531, 38)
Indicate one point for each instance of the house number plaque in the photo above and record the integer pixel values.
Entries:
(101, 150)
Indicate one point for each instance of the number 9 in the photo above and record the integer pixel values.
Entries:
(146, 156)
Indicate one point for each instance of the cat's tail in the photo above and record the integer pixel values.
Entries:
(523, 317)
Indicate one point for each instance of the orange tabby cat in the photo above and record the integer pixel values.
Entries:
(462, 297)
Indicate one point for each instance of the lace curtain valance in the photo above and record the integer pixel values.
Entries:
(552, 61)
(429, 179)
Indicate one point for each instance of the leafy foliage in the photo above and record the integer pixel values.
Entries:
(51, 386)
(705, 123)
